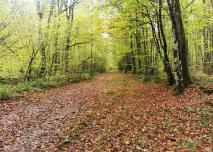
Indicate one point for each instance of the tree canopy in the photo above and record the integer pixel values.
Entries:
(150, 38)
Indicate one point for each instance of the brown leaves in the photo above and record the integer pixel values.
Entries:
(113, 112)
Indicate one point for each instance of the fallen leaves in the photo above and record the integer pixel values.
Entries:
(112, 112)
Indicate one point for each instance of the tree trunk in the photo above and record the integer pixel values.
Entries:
(180, 47)
(67, 50)
(91, 54)
(134, 68)
(40, 10)
(70, 17)
(208, 44)
(43, 35)
(158, 44)
(139, 47)
(167, 66)
(57, 54)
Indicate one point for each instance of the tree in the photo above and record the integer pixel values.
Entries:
(69, 8)
(166, 61)
(40, 11)
(180, 47)
(208, 40)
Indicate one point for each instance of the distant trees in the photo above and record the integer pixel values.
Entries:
(42, 36)
(56, 56)
(208, 38)
(164, 38)
(6, 19)
(49, 42)
(152, 39)
(69, 9)
(160, 41)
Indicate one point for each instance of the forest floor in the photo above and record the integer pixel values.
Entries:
(112, 112)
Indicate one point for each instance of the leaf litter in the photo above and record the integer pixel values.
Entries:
(112, 112)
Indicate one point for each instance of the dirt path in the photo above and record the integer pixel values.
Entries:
(112, 112)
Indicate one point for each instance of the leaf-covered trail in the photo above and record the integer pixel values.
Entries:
(112, 112)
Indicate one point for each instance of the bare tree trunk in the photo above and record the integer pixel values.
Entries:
(167, 66)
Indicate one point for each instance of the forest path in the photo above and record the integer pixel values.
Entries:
(112, 112)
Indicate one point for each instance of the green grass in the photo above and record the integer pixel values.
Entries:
(7, 92)
(200, 77)
(141, 141)
(10, 91)
(6, 95)
(191, 144)
(205, 115)
(146, 79)
(208, 101)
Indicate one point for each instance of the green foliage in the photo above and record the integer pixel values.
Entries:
(6, 95)
(200, 77)
(205, 114)
(141, 142)
(190, 143)
(11, 91)
(87, 48)
(145, 79)
(86, 120)
(25, 86)
(7, 92)
(117, 36)
(150, 78)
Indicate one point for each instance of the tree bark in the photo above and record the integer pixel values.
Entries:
(180, 47)
(70, 17)
(158, 44)
(208, 43)
(167, 66)
(134, 67)
(40, 10)
(139, 47)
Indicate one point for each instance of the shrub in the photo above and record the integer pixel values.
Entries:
(4, 95)
(190, 143)
(8, 91)
(21, 87)
(7, 94)
(141, 142)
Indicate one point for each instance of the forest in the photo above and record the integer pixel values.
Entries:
(106, 75)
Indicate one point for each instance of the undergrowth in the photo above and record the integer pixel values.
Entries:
(15, 90)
